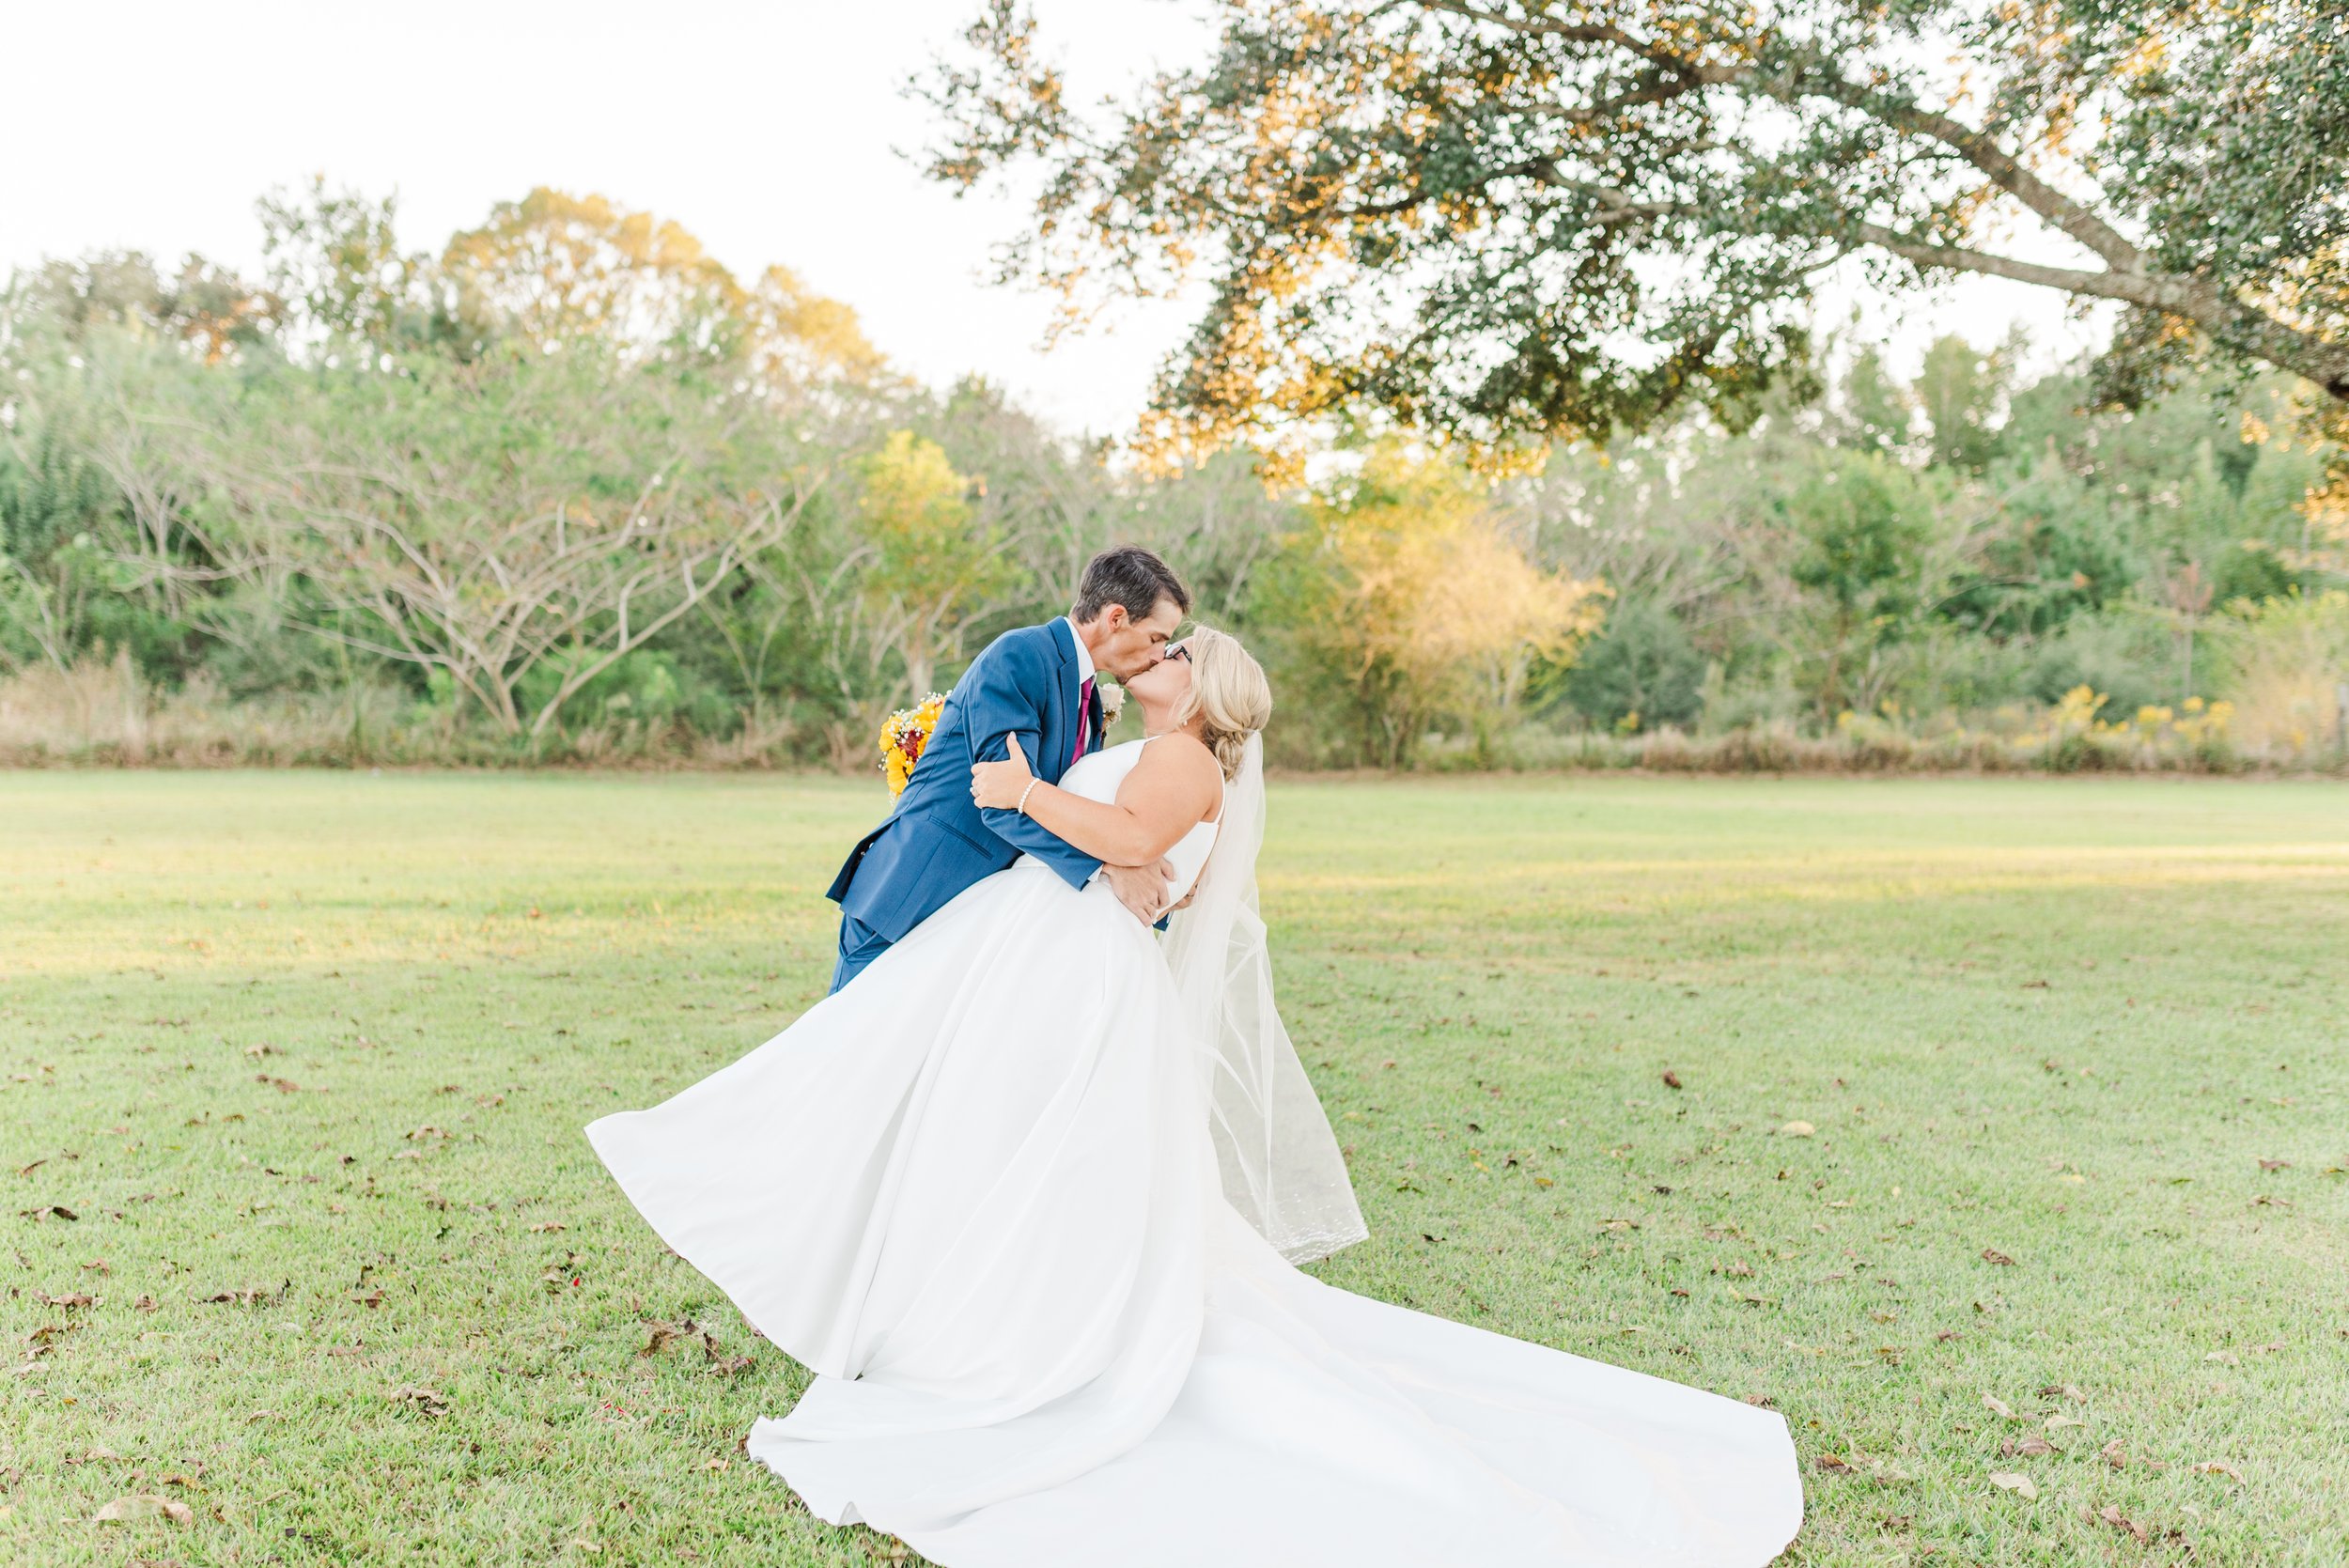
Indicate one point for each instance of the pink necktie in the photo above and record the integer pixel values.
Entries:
(1084, 720)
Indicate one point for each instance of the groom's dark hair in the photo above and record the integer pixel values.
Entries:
(1131, 576)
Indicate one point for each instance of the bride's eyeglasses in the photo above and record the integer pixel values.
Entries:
(1178, 650)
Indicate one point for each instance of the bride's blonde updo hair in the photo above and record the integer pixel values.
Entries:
(1229, 690)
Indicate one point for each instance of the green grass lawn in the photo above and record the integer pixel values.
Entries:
(305, 1058)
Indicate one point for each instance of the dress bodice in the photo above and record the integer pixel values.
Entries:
(1096, 777)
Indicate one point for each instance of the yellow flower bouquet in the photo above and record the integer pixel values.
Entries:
(903, 735)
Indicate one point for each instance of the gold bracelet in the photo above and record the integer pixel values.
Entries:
(1022, 807)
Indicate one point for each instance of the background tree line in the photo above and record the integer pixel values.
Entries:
(568, 489)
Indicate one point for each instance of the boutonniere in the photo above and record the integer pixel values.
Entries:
(1112, 699)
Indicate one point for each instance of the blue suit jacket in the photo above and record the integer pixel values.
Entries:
(935, 843)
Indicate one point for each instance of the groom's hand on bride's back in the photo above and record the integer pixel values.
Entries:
(1142, 889)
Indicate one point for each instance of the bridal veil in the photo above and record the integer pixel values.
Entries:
(1281, 1164)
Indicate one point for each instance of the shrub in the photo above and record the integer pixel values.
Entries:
(1640, 672)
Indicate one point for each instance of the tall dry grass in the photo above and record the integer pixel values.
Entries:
(2288, 672)
(105, 714)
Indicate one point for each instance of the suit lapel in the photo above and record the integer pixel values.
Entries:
(1064, 700)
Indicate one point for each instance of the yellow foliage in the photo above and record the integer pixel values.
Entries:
(796, 331)
(917, 511)
(2159, 726)
(933, 564)
(1435, 609)
(2326, 510)
(557, 267)
(2075, 710)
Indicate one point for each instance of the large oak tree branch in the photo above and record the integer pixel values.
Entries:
(2128, 278)
(2237, 325)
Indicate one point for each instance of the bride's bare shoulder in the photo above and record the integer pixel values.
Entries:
(1180, 760)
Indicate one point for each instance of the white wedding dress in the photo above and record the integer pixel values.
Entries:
(975, 1192)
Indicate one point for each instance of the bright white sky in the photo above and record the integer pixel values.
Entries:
(769, 130)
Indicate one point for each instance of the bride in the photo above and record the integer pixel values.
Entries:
(1028, 1196)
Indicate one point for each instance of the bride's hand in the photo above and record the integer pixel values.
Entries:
(999, 784)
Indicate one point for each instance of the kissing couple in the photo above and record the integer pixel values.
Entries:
(1028, 1192)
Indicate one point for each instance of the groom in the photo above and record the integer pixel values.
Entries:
(1037, 685)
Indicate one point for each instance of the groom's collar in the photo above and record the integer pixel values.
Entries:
(1085, 655)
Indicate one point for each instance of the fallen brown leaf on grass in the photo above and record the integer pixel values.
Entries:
(1833, 1462)
(250, 1296)
(2114, 1455)
(2112, 1514)
(1671, 1079)
(1797, 1130)
(2021, 1486)
(2274, 1165)
(79, 1298)
(430, 1401)
(144, 1505)
(2214, 1466)
(1998, 1407)
(2030, 1447)
(664, 1334)
(1991, 1254)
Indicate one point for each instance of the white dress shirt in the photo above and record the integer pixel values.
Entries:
(1085, 673)
(1085, 655)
